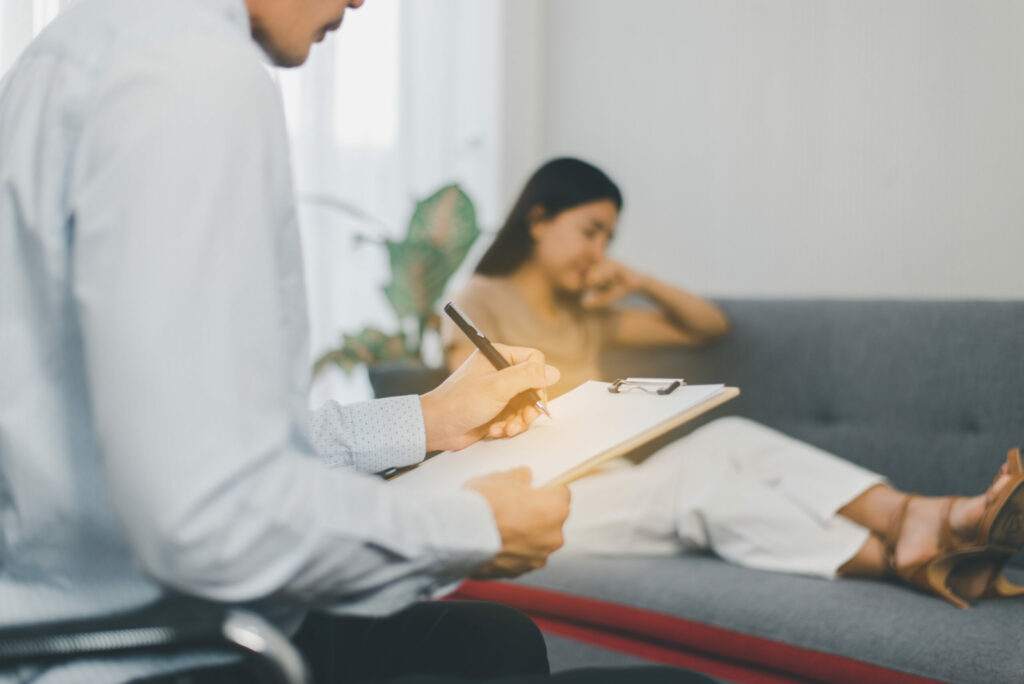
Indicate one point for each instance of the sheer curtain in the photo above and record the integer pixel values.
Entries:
(403, 99)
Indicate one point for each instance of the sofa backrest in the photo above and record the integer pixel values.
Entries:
(929, 393)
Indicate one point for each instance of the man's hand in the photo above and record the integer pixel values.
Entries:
(608, 281)
(479, 401)
(530, 521)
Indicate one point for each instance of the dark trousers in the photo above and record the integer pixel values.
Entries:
(432, 642)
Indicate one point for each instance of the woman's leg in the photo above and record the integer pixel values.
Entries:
(798, 476)
(762, 499)
(630, 510)
(753, 495)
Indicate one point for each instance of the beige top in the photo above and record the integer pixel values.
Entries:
(572, 341)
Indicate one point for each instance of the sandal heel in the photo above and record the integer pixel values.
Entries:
(1000, 587)
(934, 577)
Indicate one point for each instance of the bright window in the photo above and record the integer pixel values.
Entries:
(367, 71)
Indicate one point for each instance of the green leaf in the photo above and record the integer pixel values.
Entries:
(441, 232)
(335, 356)
(418, 277)
(447, 220)
(368, 346)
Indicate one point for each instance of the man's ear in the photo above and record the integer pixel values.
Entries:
(536, 220)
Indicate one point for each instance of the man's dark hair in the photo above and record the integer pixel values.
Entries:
(558, 185)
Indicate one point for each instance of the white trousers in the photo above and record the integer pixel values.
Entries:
(752, 495)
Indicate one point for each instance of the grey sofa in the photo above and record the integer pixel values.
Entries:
(930, 393)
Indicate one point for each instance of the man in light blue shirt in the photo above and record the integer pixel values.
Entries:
(153, 430)
(152, 424)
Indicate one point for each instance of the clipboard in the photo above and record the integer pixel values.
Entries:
(590, 426)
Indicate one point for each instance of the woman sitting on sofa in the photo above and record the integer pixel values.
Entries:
(750, 494)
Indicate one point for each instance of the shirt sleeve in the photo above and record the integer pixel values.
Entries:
(370, 436)
(185, 269)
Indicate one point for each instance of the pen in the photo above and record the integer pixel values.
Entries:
(486, 348)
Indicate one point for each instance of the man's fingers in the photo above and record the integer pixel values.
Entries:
(561, 490)
(531, 404)
(527, 370)
(530, 413)
(516, 418)
(516, 355)
(514, 426)
(524, 376)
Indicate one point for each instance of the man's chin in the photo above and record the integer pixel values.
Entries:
(289, 59)
(280, 57)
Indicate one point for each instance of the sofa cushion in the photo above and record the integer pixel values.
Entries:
(837, 631)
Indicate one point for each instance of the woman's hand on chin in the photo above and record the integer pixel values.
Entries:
(608, 281)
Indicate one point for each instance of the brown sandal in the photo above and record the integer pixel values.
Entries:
(999, 537)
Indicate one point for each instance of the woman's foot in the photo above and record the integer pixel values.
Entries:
(920, 535)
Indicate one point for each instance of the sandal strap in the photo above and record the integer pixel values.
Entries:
(946, 540)
(892, 534)
(1015, 461)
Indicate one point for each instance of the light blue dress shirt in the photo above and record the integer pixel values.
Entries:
(153, 430)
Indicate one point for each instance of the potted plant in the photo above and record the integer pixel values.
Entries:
(440, 234)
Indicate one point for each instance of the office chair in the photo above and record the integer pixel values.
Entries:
(173, 625)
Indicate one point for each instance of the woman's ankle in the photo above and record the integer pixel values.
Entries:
(874, 508)
(870, 560)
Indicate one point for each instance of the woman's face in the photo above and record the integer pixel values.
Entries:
(568, 244)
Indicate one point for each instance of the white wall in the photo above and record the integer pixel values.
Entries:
(524, 69)
(788, 147)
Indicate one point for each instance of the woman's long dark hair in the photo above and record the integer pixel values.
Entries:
(558, 185)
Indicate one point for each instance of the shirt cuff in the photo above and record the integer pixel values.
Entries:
(370, 436)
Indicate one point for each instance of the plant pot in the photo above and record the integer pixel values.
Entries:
(397, 379)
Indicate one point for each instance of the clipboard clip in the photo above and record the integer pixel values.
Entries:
(649, 385)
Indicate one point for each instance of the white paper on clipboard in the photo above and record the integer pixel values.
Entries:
(589, 426)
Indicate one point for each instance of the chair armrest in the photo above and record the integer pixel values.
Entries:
(173, 625)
